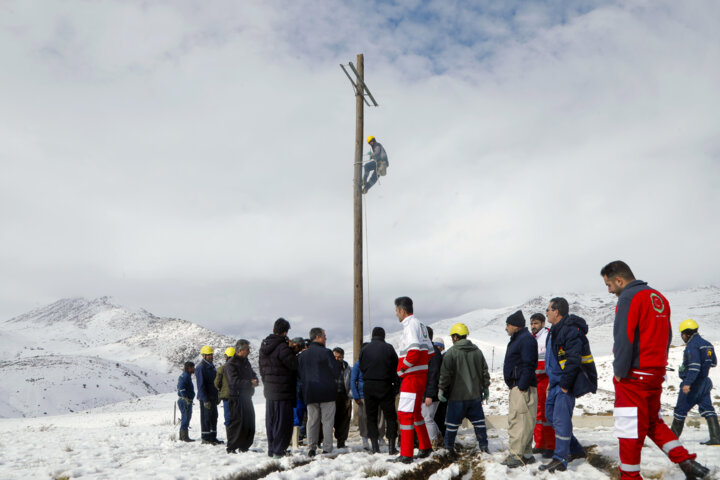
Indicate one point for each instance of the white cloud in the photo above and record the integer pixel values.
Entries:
(197, 161)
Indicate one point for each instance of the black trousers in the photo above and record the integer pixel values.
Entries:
(208, 421)
(380, 395)
(278, 425)
(343, 412)
(440, 416)
(241, 428)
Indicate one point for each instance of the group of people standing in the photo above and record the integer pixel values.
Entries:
(545, 369)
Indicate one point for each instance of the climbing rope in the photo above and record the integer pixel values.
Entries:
(367, 262)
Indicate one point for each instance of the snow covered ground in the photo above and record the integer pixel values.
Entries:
(137, 439)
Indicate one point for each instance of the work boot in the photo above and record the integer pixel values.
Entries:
(185, 437)
(553, 466)
(677, 427)
(714, 429)
(512, 461)
(528, 460)
(576, 456)
(375, 445)
(547, 453)
(424, 453)
(401, 459)
(693, 470)
(391, 446)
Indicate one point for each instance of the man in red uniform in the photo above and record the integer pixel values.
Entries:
(642, 335)
(415, 349)
(544, 433)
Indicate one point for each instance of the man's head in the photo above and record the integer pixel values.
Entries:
(229, 352)
(207, 353)
(458, 332)
(403, 307)
(616, 276)
(378, 332)
(317, 335)
(514, 323)
(339, 354)
(688, 328)
(189, 367)
(242, 348)
(281, 327)
(371, 140)
(557, 309)
(537, 322)
(297, 344)
(440, 344)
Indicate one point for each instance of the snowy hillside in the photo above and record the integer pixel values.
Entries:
(77, 354)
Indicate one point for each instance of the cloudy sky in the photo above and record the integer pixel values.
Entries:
(195, 158)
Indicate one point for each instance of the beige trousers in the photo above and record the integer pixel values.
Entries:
(521, 420)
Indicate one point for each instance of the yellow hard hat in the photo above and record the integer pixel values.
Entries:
(230, 352)
(688, 324)
(206, 350)
(459, 329)
(370, 139)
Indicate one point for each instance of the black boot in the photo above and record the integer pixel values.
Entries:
(677, 427)
(391, 446)
(375, 445)
(714, 429)
(184, 436)
(693, 470)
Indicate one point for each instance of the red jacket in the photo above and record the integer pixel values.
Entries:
(415, 348)
(642, 332)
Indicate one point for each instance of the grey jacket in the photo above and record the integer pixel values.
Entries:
(378, 153)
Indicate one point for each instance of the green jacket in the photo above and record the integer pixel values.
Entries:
(464, 372)
(221, 384)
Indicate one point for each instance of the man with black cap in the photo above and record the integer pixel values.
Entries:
(521, 358)
(378, 363)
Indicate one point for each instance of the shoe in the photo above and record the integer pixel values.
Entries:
(485, 449)
(714, 429)
(311, 453)
(576, 456)
(693, 470)
(391, 447)
(553, 466)
(536, 450)
(424, 453)
(677, 427)
(341, 445)
(401, 459)
(547, 453)
(511, 461)
(375, 446)
(207, 442)
(528, 460)
(232, 451)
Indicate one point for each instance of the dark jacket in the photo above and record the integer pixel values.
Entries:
(521, 358)
(433, 376)
(464, 372)
(698, 358)
(239, 376)
(205, 377)
(343, 380)
(569, 346)
(378, 364)
(318, 372)
(278, 368)
(185, 386)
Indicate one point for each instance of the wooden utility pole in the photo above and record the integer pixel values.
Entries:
(360, 91)
(357, 209)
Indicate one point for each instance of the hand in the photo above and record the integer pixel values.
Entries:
(686, 389)
(617, 379)
(428, 401)
(359, 401)
(441, 396)
(207, 405)
(254, 382)
(564, 390)
(486, 394)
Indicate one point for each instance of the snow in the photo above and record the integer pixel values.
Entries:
(136, 439)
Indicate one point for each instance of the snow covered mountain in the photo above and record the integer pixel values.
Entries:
(77, 354)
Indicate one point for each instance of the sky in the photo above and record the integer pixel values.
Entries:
(196, 158)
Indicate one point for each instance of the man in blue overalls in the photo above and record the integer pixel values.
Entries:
(699, 357)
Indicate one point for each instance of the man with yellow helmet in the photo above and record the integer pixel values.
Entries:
(376, 166)
(699, 357)
(208, 396)
(465, 381)
(222, 385)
